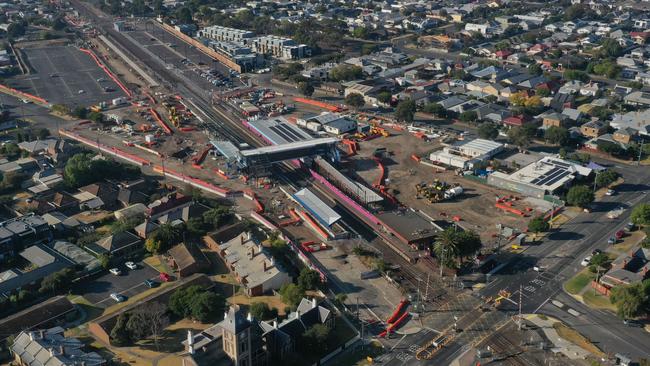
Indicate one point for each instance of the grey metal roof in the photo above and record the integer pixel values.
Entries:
(319, 209)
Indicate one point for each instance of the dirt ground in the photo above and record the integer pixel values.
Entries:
(475, 207)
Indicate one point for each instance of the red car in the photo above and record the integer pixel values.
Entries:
(619, 234)
(164, 277)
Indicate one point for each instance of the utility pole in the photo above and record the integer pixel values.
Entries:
(426, 292)
(358, 308)
(638, 162)
(520, 301)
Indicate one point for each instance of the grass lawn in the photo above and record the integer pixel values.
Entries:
(577, 339)
(155, 263)
(91, 312)
(579, 281)
(595, 300)
(272, 301)
(629, 241)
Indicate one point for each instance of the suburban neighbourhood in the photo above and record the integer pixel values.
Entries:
(259, 183)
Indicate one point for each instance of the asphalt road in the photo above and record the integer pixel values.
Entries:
(130, 283)
(560, 255)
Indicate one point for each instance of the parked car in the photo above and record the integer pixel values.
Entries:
(585, 262)
(596, 251)
(611, 241)
(632, 323)
(610, 192)
(151, 283)
(164, 277)
(118, 297)
(115, 271)
(630, 226)
(131, 265)
(619, 234)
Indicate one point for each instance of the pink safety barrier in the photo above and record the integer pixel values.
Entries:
(162, 123)
(23, 94)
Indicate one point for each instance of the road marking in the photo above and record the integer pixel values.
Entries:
(398, 342)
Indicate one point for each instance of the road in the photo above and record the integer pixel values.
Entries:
(560, 254)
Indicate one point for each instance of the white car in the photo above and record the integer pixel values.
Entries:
(118, 297)
(26, 101)
(610, 192)
(131, 265)
(81, 91)
(115, 271)
(585, 262)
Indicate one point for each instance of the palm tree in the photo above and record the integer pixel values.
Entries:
(446, 248)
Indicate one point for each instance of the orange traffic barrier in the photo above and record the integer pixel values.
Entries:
(415, 157)
(509, 209)
(162, 123)
(329, 107)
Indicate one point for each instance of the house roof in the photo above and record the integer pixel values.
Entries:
(117, 241)
(186, 255)
(43, 348)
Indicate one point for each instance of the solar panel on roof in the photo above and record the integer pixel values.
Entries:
(550, 175)
(556, 179)
(562, 164)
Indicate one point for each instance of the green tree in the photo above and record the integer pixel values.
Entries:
(306, 89)
(520, 136)
(446, 248)
(384, 97)
(57, 282)
(291, 294)
(184, 15)
(309, 279)
(195, 227)
(218, 216)
(605, 178)
(580, 196)
(610, 48)
(97, 117)
(405, 110)
(576, 75)
(535, 69)
(355, 100)
(538, 224)
(641, 214)
(435, 109)
(345, 72)
(16, 30)
(488, 131)
(207, 306)
(468, 116)
(360, 32)
(262, 311)
(632, 300)
(542, 92)
(557, 135)
(152, 245)
(80, 112)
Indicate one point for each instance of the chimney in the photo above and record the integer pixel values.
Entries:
(313, 302)
(275, 324)
(249, 317)
(225, 315)
(297, 314)
(190, 342)
(41, 334)
(248, 235)
(61, 350)
(252, 253)
(52, 352)
(264, 263)
(31, 336)
(241, 239)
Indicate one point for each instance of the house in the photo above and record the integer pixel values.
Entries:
(515, 121)
(561, 101)
(628, 269)
(572, 114)
(554, 119)
(21, 232)
(147, 227)
(625, 135)
(638, 98)
(187, 259)
(571, 87)
(106, 192)
(593, 129)
(251, 264)
(119, 246)
(41, 262)
(60, 222)
(51, 347)
(591, 89)
(171, 203)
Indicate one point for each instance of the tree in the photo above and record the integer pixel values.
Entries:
(119, 334)
(315, 338)
(291, 294)
(309, 279)
(167, 235)
(305, 88)
(535, 69)
(580, 196)
(57, 282)
(16, 29)
(599, 260)
(641, 214)
(262, 311)
(345, 72)
(152, 245)
(488, 131)
(542, 92)
(360, 32)
(468, 116)
(538, 224)
(574, 12)
(368, 48)
(610, 48)
(605, 178)
(384, 97)
(195, 227)
(435, 109)
(557, 135)
(217, 217)
(576, 75)
(469, 243)
(97, 117)
(137, 326)
(104, 260)
(405, 110)
(446, 248)
(11, 181)
(355, 100)
(80, 112)
(632, 300)
(184, 15)
(520, 136)
(207, 306)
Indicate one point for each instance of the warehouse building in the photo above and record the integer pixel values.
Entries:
(544, 177)
(466, 154)
(332, 123)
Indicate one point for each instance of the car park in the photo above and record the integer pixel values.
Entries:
(131, 265)
(585, 262)
(118, 297)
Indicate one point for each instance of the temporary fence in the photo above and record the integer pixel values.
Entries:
(107, 71)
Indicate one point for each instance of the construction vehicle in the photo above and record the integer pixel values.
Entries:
(376, 130)
(437, 191)
(352, 145)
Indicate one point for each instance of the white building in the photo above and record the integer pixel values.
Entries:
(466, 154)
(219, 33)
(280, 47)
